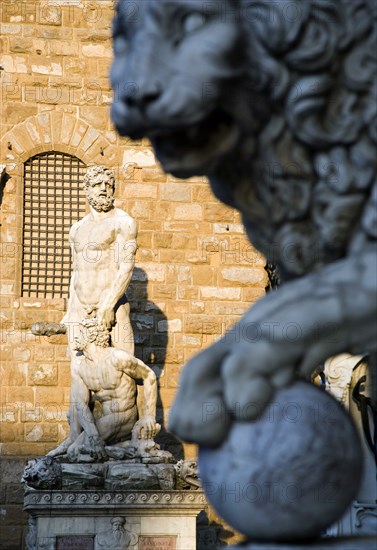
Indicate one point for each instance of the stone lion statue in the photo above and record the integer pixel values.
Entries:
(43, 473)
(276, 103)
(187, 475)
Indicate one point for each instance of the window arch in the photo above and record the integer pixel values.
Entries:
(53, 201)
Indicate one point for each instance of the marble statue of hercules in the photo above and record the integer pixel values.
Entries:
(107, 375)
(103, 246)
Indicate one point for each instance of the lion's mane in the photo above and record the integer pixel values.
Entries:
(313, 66)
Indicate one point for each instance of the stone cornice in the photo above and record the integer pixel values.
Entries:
(45, 502)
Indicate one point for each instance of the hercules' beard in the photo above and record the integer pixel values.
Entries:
(101, 204)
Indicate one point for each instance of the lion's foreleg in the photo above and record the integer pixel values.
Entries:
(290, 331)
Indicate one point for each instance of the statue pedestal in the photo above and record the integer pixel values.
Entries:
(96, 519)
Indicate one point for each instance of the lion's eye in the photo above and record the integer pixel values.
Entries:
(193, 22)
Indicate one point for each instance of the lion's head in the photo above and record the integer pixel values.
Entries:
(274, 101)
(187, 472)
(43, 473)
(176, 65)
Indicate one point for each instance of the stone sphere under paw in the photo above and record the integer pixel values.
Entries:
(289, 474)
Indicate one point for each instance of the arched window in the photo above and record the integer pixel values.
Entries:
(53, 201)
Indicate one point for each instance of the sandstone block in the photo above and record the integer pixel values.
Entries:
(172, 256)
(12, 469)
(202, 193)
(197, 307)
(41, 433)
(192, 341)
(225, 228)
(79, 132)
(52, 68)
(21, 353)
(171, 325)
(172, 376)
(224, 308)
(174, 355)
(61, 352)
(251, 295)
(10, 29)
(57, 304)
(141, 157)
(141, 190)
(154, 174)
(177, 307)
(161, 210)
(64, 47)
(49, 14)
(23, 395)
(154, 272)
(8, 414)
(22, 449)
(68, 126)
(43, 353)
(162, 240)
(54, 413)
(164, 292)
(187, 292)
(45, 374)
(140, 210)
(75, 66)
(14, 64)
(9, 268)
(89, 138)
(11, 432)
(96, 50)
(64, 374)
(203, 275)
(188, 212)
(20, 45)
(7, 287)
(178, 273)
(213, 292)
(142, 321)
(95, 115)
(6, 353)
(187, 242)
(25, 319)
(244, 276)
(31, 413)
(202, 324)
(175, 192)
(49, 395)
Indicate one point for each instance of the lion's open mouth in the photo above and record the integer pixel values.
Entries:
(195, 150)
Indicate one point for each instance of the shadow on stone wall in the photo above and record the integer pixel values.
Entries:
(149, 324)
(13, 521)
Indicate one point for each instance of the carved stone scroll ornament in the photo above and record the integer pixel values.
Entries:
(338, 372)
(276, 103)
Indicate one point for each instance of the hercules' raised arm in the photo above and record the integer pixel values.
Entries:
(126, 247)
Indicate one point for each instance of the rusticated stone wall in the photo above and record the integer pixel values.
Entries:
(196, 272)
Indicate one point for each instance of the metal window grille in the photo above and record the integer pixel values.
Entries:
(53, 201)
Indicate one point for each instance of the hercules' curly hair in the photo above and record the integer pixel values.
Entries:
(98, 172)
